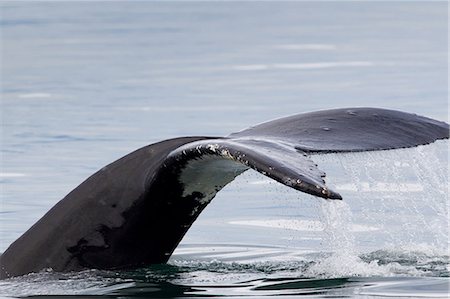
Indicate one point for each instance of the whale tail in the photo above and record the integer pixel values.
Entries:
(136, 210)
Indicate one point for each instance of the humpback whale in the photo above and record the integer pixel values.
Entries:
(135, 211)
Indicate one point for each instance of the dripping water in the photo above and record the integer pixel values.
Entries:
(401, 194)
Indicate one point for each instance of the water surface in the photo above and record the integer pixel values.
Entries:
(83, 84)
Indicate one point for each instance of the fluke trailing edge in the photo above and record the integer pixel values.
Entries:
(136, 210)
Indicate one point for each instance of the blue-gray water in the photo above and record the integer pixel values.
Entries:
(83, 84)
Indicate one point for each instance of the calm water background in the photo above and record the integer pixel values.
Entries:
(83, 84)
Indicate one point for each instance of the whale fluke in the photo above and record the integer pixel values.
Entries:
(135, 211)
(350, 130)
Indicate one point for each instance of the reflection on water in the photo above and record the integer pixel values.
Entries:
(84, 84)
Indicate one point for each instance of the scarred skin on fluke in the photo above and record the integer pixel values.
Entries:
(136, 210)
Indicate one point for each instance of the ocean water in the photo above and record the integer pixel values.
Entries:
(83, 84)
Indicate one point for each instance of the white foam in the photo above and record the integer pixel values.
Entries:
(347, 265)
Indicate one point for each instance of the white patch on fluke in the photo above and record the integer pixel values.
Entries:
(208, 174)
